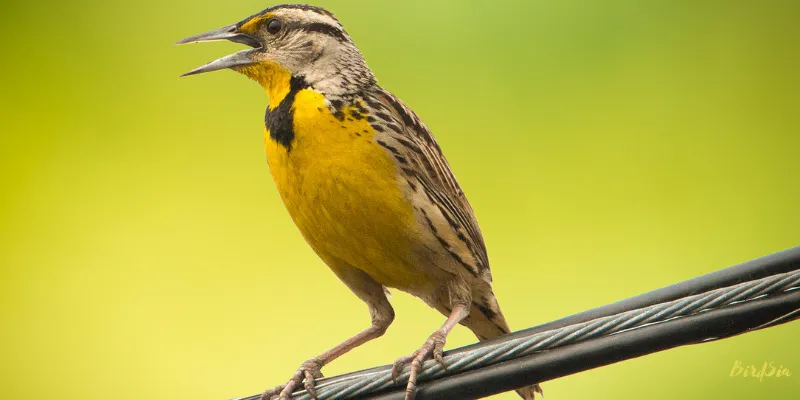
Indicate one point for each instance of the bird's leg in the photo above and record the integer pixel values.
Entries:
(309, 371)
(433, 347)
(382, 316)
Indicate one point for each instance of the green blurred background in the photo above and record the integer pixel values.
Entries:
(609, 148)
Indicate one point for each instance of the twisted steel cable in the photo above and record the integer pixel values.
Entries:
(380, 380)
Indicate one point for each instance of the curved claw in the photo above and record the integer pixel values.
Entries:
(531, 392)
(399, 364)
(287, 391)
(270, 393)
(438, 349)
(307, 374)
(310, 383)
(433, 348)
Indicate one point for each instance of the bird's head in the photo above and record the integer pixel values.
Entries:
(291, 40)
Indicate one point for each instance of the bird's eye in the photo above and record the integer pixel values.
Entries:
(274, 26)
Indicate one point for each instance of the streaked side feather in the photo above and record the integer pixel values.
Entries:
(424, 166)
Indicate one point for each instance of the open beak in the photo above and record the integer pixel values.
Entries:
(231, 33)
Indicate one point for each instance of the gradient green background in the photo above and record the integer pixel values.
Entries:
(608, 148)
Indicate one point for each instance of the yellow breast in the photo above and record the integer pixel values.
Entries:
(342, 191)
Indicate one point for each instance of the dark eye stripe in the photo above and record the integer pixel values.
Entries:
(325, 29)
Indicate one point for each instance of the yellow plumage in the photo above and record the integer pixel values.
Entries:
(341, 191)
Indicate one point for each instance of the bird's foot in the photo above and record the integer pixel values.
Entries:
(307, 374)
(432, 348)
(530, 392)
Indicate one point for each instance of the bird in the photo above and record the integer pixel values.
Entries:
(366, 183)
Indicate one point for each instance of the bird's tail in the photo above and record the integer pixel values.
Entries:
(486, 321)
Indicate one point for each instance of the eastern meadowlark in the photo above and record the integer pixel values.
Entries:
(364, 181)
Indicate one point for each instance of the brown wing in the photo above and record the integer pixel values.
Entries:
(420, 158)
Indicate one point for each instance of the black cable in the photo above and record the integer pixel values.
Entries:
(563, 361)
(781, 262)
(711, 324)
(784, 261)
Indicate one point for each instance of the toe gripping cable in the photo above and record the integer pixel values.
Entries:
(757, 294)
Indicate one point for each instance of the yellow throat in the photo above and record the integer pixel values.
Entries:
(339, 186)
